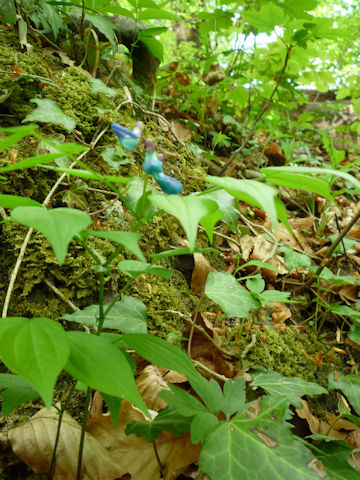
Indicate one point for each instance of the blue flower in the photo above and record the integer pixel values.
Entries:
(168, 184)
(128, 138)
(153, 165)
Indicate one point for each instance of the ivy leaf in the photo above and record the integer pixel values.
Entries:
(232, 450)
(349, 385)
(167, 420)
(234, 300)
(294, 259)
(334, 455)
(59, 225)
(48, 111)
(286, 387)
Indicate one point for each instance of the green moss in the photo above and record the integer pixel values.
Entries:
(292, 352)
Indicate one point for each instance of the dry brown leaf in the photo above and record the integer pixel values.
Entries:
(315, 424)
(280, 312)
(349, 293)
(182, 131)
(258, 248)
(202, 268)
(34, 440)
(135, 455)
(149, 384)
(204, 351)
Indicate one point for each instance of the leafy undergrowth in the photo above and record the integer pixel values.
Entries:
(268, 311)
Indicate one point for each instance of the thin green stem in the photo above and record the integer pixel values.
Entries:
(118, 295)
(57, 438)
(82, 434)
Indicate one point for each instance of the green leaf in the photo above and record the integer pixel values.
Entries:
(48, 111)
(128, 315)
(268, 297)
(7, 11)
(104, 25)
(98, 86)
(334, 455)
(53, 17)
(188, 210)
(294, 259)
(59, 225)
(344, 310)
(255, 284)
(226, 204)
(154, 46)
(36, 349)
(311, 171)
(18, 390)
(250, 191)
(202, 424)
(349, 385)
(115, 157)
(135, 268)
(31, 162)
(150, 32)
(158, 351)
(257, 263)
(100, 365)
(182, 251)
(12, 201)
(113, 404)
(286, 387)
(267, 18)
(299, 181)
(260, 448)
(156, 13)
(167, 420)
(234, 396)
(18, 134)
(185, 403)
(128, 239)
(234, 300)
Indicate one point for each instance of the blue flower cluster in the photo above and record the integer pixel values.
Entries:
(153, 164)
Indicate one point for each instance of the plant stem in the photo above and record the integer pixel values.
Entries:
(82, 434)
(57, 438)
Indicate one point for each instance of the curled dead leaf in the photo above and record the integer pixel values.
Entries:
(34, 440)
(135, 455)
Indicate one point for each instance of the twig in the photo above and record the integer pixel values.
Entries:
(261, 113)
(249, 346)
(328, 254)
(208, 370)
(61, 295)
